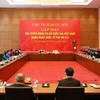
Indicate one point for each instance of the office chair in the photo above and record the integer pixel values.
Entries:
(18, 93)
(70, 93)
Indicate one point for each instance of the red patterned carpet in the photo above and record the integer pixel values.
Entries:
(52, 71)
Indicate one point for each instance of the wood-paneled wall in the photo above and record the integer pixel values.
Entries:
(10, 23)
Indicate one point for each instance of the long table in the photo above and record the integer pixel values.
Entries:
(39, 90)
(49, 93)
(90, 64)
(7, 70)
(52, 57)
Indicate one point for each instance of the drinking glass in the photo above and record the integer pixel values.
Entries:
(1, 83)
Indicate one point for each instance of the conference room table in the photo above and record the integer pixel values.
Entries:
(39, 90)
(10, 68)
(48, 93)
(91, 64)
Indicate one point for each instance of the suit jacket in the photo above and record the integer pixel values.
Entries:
(69, 82)
(22, 85)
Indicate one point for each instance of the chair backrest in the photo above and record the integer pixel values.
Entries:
(18, 93)
(70, 93)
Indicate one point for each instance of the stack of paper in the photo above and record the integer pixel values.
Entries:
(95, 86)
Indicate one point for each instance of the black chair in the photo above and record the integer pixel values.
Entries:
(18, 93)
(70, 93)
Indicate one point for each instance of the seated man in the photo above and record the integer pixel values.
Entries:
(4, 57)
(20, 78)
(16, 52)
(8, 54)
(11, 52)
(69, 81)
(74, 42)
(41, 51)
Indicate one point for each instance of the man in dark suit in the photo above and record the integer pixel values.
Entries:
(69, 81)
(20, 78)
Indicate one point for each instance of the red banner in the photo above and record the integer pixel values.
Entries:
(49, 35)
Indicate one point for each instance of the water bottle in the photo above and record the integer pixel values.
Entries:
(5, 83)
(1, 83)
(36, 83)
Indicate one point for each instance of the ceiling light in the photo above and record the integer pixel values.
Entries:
(49, 2)
(81, 2)
(76, 1)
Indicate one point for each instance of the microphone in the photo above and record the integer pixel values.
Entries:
(45, 84)
(84, 83)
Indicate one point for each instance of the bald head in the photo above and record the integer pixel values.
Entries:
(20, 77)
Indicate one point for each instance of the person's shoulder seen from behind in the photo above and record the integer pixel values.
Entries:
(20, 82)
(69, 80)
